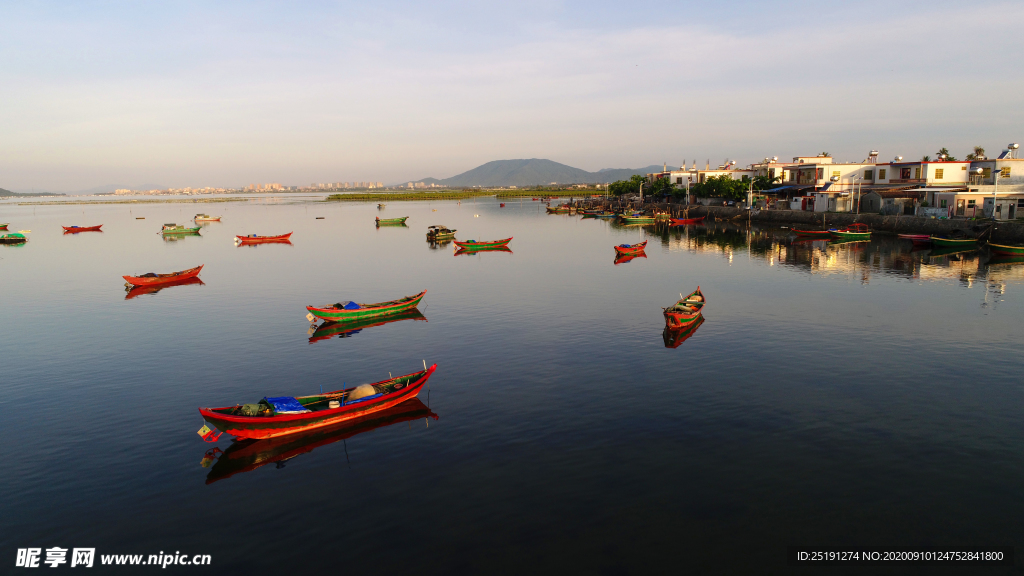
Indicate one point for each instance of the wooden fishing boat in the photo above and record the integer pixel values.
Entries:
(953, 242)
(380, 206)
(329, 330)
(685, 221)
(437, 233)
(382, 221)
(474, 245)
(606, 215)
(206, 218)
(13, 238)
(563, 209)
(136, 291)
(916, 238)
(624, 258)
(662, 216)
(154, 278)
(637, 219)
(248, 455)
(673, 338)
(77, 229)
(1006, 250)
(4, 226)
(178, 229)
(346, 311)
(812, 233)
(471, 251)
(631, 248)
(851, 232)
(686, 310)
(254, 239)
(273, 417)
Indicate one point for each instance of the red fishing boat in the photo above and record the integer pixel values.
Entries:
(685, 221)
(474, 245)
(273, 417)
(630, 248)
(685, 311)
(77, 229)
(916, 238)
(254, 239)
(136, 291)
(812, 233)
(154, 278)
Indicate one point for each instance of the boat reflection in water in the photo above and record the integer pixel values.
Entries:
(997, 260)
(462, 251)
(137, 291)
(180, 236)
(328, 330)
(674, 337)
(247, 455)
(441, 244)
(262, 242)
(623, 258)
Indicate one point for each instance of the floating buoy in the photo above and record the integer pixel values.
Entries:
(476, 215)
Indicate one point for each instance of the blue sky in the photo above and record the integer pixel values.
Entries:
(224, 94)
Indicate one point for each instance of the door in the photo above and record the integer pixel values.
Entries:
(960, 207)
(1012, 213)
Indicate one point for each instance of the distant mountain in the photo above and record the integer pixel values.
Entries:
(9, 194)
(535, 172)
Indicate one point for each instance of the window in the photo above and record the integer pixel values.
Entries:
(869, 174)
(942, 203)
(938, 173)
(881, 173)
(905, 173)
(986, 172)
(771, 173)
(964, 168)
(971, 203)
(820, 173)
(917, 173)
(679, 179)
(835, 173)
(1020, 203)
(1005, 172)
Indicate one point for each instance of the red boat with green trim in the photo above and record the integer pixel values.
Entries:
(685, 311)
(631, 248)
(77, 229)
(254, 239)
(345, 311)
(3, 226)
(474, 245)
(812, 233)
(273, 417)
(153, 278)
(1006, 250)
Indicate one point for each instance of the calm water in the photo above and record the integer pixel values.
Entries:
(851, 395)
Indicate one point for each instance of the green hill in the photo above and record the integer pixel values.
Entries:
(535, 172)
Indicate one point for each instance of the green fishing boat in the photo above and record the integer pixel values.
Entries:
(13, 238)
(851, 232)
(953, 242)
(636, 219)
(384, 221)
(1006, 250)
(179, 229)
(345, 311)
(438, 233)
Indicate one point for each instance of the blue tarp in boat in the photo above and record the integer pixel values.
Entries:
(625, 245)
(364, 399)
(286, 405)
(348, 305)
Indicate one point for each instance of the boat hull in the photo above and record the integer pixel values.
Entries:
(77, 229)
(685, 221)
(812, 233)
(916, 238)
(174, 277)
(273, 426)
(392, 307)
(949, 242)
(850, 235)
(1006, 250)
(674, 337)
(391, 220)
(181, 230)
(677, 319)
(633, 249)
(263, 239)
(479, 245)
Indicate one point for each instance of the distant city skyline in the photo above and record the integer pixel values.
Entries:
(192, 94)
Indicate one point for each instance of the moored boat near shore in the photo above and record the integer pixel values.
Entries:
(685, 221)
(637, 219)
(206, 218)
(153, 278)
(13, 238)
(77, 229)
(916, 238)
(953, 242)
(279, 416)
(474, 245)
(178, 229)
(1006, 250)
(851, 232)
(345, 311)
(686, 310)
(812, 233)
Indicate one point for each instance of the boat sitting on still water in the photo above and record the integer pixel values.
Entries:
(686, 310)
(345, 311)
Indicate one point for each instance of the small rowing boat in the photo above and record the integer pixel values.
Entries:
(437, 233)
(1006, 250)
(206, 218)
(272, 417)
(178, 229)
(563, 209)
(254, 239)
(685, 221)
(916, 238)
(637, 219)
(154, 278)
(4, 226)
(951, 242)
(631, 248)
(345, 311)
(383, 221)
(13, 238)
(851, 232)
(77, 229)
(685, 311)
(812, 233)
(474, 245)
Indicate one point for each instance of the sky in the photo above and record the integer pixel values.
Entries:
(226, 94)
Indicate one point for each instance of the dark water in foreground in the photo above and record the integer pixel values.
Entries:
(862, 394)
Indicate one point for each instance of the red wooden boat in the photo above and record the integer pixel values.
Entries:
(916, 238)
(254, 239)
(474, 245)
(77, 229)
(685, 221)
(248, 455)
(153, 278)
(273, 417)
(812, 233)
(136, 291)
(630, 248)
(685, 311)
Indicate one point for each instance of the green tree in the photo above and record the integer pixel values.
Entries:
(944, 154)
(926, 158)
(978, 153)
(631, 186)
(764, 182)
(722, 187)
(825, 154)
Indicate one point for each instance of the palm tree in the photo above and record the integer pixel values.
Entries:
(825, 154)
(926, 158)
(979, 153)
(944, 154)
